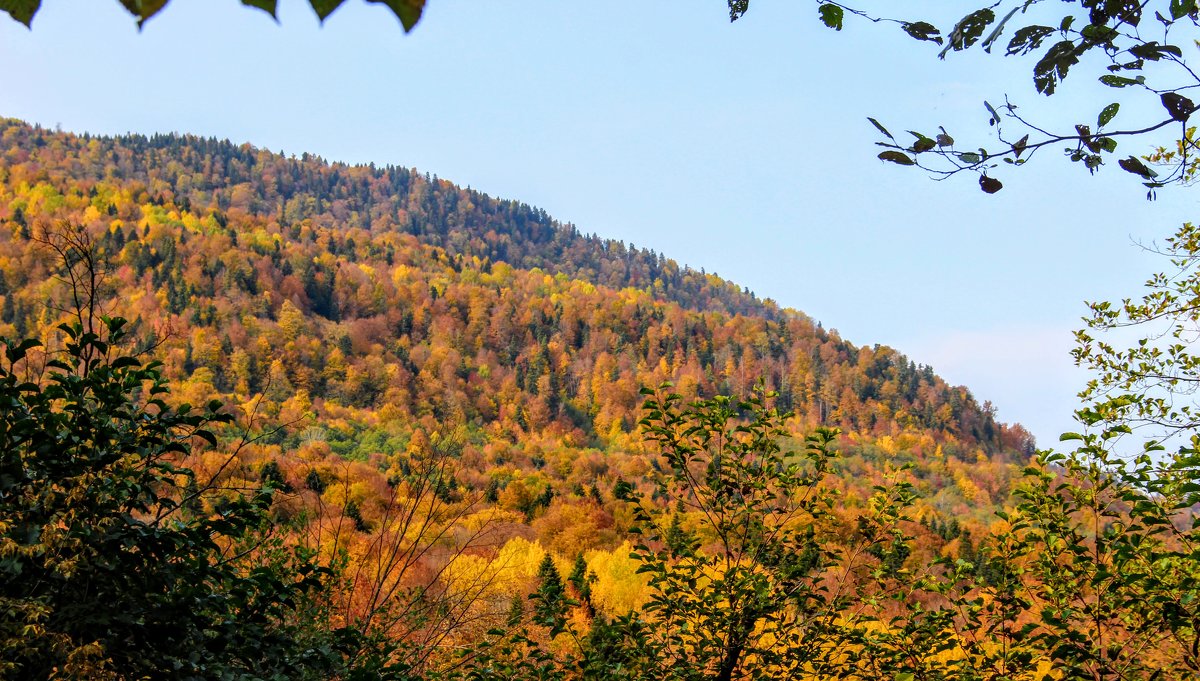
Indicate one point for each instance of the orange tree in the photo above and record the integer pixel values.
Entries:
(760, 580)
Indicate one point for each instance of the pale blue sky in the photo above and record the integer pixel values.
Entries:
(740, 148)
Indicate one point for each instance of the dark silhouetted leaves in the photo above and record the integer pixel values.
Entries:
(990, 184)
(1134, 165)
(1099, 34)
(1178, 106)
(1152, 51)
(1114, 11)
(923, 144)
(923, 30)
(1182, 8)
(1054, 65)
(1019, 147)
(897, 157)
(1027, 38)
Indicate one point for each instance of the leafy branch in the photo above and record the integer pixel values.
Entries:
(1135, 39)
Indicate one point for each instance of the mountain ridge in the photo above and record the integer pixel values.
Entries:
(132, 158)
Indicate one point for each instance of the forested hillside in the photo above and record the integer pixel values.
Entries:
(382, 337)
(368, 287)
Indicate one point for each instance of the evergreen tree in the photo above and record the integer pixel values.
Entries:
(582, 581)
(679, 541)
(550, 597)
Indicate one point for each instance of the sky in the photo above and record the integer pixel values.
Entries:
(742, 148)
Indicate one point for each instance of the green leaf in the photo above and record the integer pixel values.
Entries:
(923, 144)
(922, 30)
(1099, 34)
(407, 11)
(1054, 65)
(880, 128)
(143, 9)
(21, 10)
(1027, 38)
(17, 352)
(992, 111)
(124, 361)
(1182, 8)
(1154, 51)
(206, 436)
(1107, 114)
(1117, 81)
(1019, 147)
(970, 157)
(897, 157)
(324, 8)
(1134, 165)
(832, 16)
(268, 6)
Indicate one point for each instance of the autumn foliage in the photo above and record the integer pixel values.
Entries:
(443, 391)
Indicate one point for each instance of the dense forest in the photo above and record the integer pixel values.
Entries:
(384, 302)
(445, 394)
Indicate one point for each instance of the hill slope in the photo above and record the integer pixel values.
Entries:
(399, 309)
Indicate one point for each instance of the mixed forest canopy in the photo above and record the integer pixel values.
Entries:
(392, 288)
(391, 347)
(432, 448)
